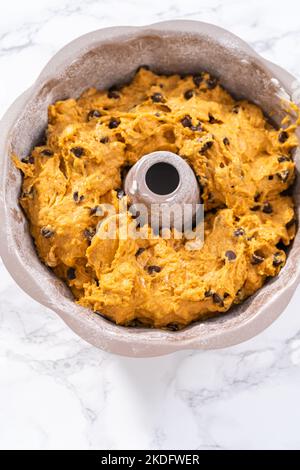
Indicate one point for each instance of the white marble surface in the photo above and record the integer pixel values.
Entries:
(58, 392)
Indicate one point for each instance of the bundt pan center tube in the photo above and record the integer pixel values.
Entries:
(97, 60)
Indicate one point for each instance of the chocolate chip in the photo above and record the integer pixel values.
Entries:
(235, 109)
(211, 119)
(212, 82)
(153, 269)
(270, 177)
(47, 232)
(97, 210)
(77, 151)
(283, 136)
(120, 193)
(187, 121)
(89, 233)
(113, 94)
(283, 158)
(71, 274)
(113, 123)
(157, 98)
(206, 146)
(104, 140)
(283, 176)
(226, 294)
(277, 259)
(217, 299)
(77, 198)
(197, 128)
(257, 259)
(255, 208)
(197, 79)
(135, 214)
(208, 293)
(230, 255)
(267, 208)
(94, 113)
(140, 251)
(226, 141)
(188, 94)
(239, 232)
(257, 197)
(28, 159)
(47, 153)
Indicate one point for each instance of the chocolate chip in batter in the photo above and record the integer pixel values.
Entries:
(187, 121)
(239, 232)
(157, 98)
(197, 128)
(267, 208)
(197, 79)
(277, 259)
(77, 151)
(94, 113)
(188, 94)
(28, 159)
(97, 211)
(283, 158)
(283, 136)
(270, 177)
(153, 269)
(206, 146)
(208, 293)
(77, 198)
(283, 176)
(211, 119)
(257, 259)
(257, 197)
(46, 232)
(47, 153)
(230, 255)
(113, 94)
(212, 82)
(89, 233)
(236, 109)
(114, 123)
(217, 299)
(71, 274)
(104, 140)
(140, 251)
(226, 141)
(135, 214)
(120, 193)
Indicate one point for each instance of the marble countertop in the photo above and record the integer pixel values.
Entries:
(58, 392)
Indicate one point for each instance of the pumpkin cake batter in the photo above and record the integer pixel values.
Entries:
(243, 166)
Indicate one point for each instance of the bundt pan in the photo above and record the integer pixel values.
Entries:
(100, 59)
